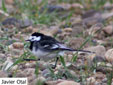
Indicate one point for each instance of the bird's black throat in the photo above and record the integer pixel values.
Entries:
(33, 44)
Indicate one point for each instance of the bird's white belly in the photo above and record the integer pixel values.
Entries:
(44, 55)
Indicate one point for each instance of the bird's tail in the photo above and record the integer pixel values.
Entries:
(84, 51)
(62, 47)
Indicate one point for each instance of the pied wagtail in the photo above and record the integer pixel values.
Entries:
(46, 47)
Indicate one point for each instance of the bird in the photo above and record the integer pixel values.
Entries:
(46, 47)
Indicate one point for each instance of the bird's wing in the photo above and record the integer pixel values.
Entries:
(48, 45)
(53, 46)
(63, 47)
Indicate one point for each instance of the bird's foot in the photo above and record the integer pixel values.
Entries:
(30, 59)
(52, 66)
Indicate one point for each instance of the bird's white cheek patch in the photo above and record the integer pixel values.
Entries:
(34, 38)
(37, 38)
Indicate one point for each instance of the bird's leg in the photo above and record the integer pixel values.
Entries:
(57, 58)
(30, 59)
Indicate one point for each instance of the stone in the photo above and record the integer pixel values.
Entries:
(2, 56)
(108, 29)
(40, 80)
(91, 17)
(99, 50)
(28, 29)
(10, 21)
(77, 28)
(3, 74)
(67, 30)
(46, 73)
(10, 2)
(20, 73)
(68, 83)
(109, 55)
(54, 30)
(96, 31)
(75, 43)
(18, 45)
(91, 81)
(25, 23)
(108, 5)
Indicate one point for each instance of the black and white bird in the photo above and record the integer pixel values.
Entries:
(46, 47)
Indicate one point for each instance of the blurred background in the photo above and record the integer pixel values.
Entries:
(80, 24)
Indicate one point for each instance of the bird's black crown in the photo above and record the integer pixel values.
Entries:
(37, 34)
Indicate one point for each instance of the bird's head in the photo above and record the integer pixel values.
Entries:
(35, 37)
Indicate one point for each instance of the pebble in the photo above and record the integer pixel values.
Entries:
(108, 29)
(67, 30)
(18, 45)
(18, 36)
(99, 50)
(28, 29)
(66, 82)
(30, 65)
(98, 56)
(25, 23)
(75, 43)
(46, 73)
(65, 33)
(90, 59)
(109, 55)
(2, 56)
(40, 80)
(29, 71)
(91, 81)
(54, 30)
(20, 73)
(10, 21)
(77, 29)
(93, 30)
(15, 52)
(3, 74)
(92, 17)
(11, 2)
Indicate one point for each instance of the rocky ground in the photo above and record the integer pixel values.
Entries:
(80, 24)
